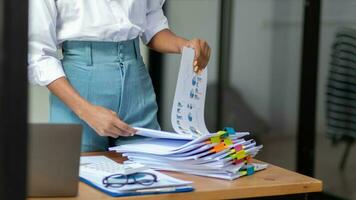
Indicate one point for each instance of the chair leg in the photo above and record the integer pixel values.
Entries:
(349, 143)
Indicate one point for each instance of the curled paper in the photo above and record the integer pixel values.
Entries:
(187, 116)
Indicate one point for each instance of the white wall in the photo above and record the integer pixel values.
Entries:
(38, 104)
(265, 61)
(267, 54)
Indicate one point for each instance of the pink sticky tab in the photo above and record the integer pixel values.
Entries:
(238, 148)
(238, 162)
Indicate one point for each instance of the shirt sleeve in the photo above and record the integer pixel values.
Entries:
(155, 20)
(44, 65)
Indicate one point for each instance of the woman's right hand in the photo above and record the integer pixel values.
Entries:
(106, 122)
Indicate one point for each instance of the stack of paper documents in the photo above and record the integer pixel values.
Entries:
(192, 149)
(220, 155)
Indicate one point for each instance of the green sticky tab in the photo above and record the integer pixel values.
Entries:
(228, 141)
(215, 139)
(241, 154)
(233, 156)
(243, 173)
(220, 133)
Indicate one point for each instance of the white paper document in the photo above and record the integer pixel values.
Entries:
(94, 178)
(187, 116)
(192, 149)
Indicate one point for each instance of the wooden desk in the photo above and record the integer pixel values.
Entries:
(274, 181)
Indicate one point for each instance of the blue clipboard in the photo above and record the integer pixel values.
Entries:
(137, 193)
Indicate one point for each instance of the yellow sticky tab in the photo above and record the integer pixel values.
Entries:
(240, 154)
(220, 133)
(243, 173)
(228, 141)
(232, 151)
(233, 156)
(215, 139)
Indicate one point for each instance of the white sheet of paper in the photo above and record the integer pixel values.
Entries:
(163, 181)
(161, 134)
(187, 116)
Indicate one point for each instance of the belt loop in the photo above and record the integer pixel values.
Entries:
(137, 48)
(89, 52)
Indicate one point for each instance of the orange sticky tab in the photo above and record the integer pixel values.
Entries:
(228, 141)
(249, 159)
(219, 147)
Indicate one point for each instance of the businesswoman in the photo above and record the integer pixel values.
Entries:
(101, 81)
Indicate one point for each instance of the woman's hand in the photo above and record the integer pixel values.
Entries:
(202, 53)
(166, 41)
(106, 122)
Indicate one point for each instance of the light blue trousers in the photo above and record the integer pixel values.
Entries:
(108, 74)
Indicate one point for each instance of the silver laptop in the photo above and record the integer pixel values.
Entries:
(53, 160)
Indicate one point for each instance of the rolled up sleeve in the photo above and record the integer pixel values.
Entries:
(44, 65)
(155, 20)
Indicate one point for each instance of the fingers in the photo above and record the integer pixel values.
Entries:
(122, 128)
(202, 54)
(125, 130)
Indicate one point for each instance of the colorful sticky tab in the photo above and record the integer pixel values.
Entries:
(230, 130)
(233, 156)
(243, 173)
(240, 154)
(220, 133)
(238, 148)
(228, 141)
(219, 147)
(249, 159)
(223, 134)
(250, 169)
(215, 139)
(237, 162)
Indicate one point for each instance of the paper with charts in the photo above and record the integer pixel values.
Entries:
(187, 116)
(227, 154)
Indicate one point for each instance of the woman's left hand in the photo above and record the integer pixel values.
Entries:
(202, 53)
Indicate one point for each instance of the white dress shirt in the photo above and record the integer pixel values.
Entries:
(52, 22)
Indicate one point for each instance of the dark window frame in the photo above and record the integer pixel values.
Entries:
(13, 99)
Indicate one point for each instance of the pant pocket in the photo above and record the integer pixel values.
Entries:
(138, 106)
(105, 86)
